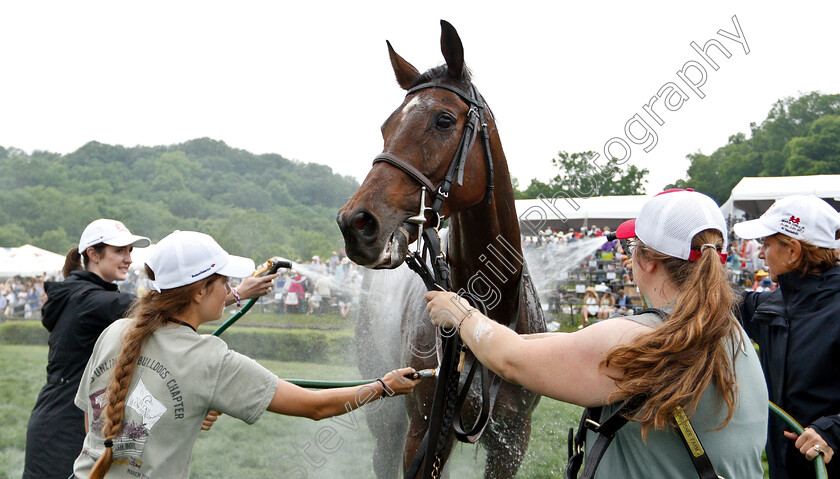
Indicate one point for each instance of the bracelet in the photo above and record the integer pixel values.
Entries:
(236, 297)
(469, 313)
(384, 387)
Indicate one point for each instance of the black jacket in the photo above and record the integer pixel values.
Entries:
(77, 310)
(797, 328)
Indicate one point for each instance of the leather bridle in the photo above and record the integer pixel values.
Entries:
(447, 402)
(475, 123)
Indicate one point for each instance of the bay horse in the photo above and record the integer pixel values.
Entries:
(483, 250)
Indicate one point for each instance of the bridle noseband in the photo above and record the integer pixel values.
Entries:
(475, 122)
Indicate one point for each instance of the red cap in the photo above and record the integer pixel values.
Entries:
(675, 189)
(626, 230)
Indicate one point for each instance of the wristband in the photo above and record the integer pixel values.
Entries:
(236, 297)
(384, 388)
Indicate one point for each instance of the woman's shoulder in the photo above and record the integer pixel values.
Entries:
(652, 318)
(119, 326)
(113, 333)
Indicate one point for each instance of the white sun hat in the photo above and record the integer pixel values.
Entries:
(184, 257)
(803, 217)
(110, 232)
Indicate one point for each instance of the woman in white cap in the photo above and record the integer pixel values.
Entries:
(152, 379)
(797, 328)
(687, 362)
(77, 310)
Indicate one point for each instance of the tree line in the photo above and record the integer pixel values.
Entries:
(266, 205)
(255, 205)
(800, 136)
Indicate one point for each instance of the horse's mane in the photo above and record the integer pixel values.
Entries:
(440, 73)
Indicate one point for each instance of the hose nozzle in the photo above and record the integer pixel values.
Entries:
(422, 374)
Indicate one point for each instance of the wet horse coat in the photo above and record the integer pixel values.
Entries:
(483, 251)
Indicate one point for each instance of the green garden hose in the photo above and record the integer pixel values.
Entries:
(819, 464)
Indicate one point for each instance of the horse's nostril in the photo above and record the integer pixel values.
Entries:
(366, 225)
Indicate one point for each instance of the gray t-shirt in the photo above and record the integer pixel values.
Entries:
(179, 377)
(735, 450)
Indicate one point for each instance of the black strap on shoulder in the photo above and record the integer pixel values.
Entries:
(695, 449)
(606, 433)
(607, 429)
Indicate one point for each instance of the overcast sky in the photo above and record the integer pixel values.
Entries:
(312, 81)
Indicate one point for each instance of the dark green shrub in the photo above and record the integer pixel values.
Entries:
(325, 347)
(23, 332)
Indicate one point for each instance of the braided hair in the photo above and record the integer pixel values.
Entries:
(150, 313)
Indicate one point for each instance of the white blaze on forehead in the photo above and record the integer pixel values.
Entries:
(412, 104)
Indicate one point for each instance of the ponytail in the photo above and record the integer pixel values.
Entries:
(75, 261)
(150, 313)
(674, 364)
(72, 262)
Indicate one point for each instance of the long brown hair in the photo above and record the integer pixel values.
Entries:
(675, 363)
(813, 259)
(75, 261)
(150, 312)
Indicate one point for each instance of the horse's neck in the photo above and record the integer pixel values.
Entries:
(484, 243)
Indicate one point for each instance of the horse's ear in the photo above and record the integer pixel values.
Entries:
(452, 49)
(405, 72)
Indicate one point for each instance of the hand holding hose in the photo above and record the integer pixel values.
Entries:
(811, 444)
(211, 417)
(252, 287)
(397, 383)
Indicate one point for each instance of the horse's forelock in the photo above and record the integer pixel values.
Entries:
(441, 73)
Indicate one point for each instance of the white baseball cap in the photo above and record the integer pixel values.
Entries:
(184, 257)
(806, 218)
(670, 220)
(110, 232)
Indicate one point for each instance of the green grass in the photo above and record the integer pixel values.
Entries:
(234, 449)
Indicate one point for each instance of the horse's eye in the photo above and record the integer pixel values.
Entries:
(444, 121)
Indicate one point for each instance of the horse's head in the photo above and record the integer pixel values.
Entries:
(421, 137)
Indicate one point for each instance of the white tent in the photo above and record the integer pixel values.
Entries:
(563, 213)
(754, 195)
(139, 256)
(29, 260)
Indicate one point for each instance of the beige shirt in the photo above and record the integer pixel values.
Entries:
(179, 377)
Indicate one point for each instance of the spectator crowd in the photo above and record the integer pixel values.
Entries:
(22, 298)
(316, 287)
(598, 286)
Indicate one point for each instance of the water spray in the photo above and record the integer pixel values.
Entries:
(270, 267)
